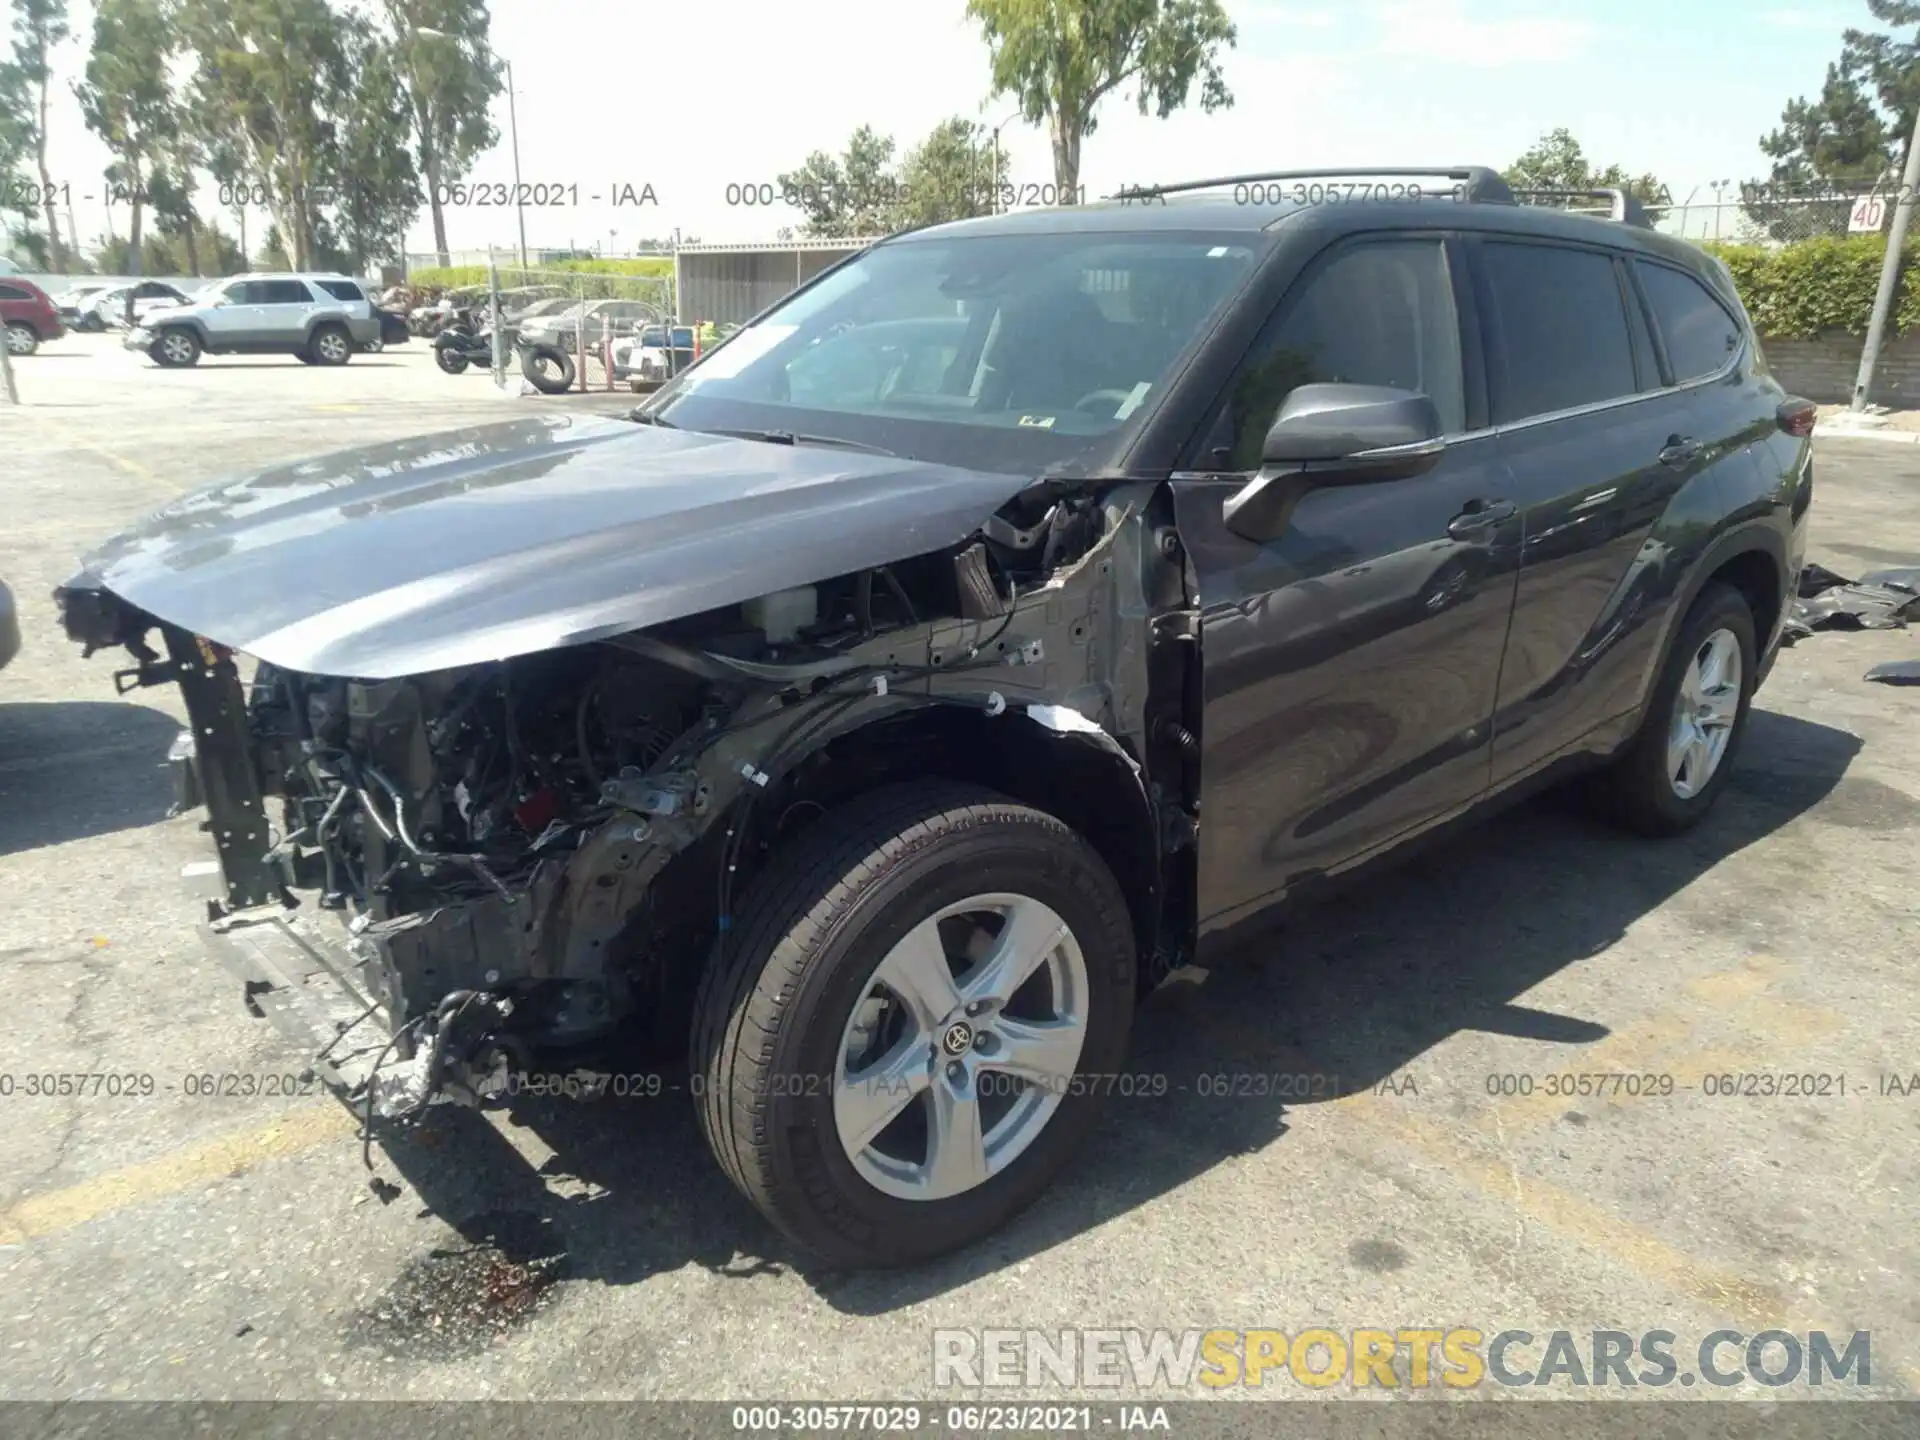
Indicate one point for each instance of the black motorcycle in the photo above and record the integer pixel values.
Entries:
(549, 367)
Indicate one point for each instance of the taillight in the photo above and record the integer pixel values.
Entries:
(1796, 417)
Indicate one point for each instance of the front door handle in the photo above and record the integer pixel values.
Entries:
(1479, 515)
(1681, 451)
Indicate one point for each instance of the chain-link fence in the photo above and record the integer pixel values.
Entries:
(1775, 215)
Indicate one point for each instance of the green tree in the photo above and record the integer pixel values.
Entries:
(1556, 162)
(1061, 58)
(1849, 138)
(855, 193)
(38, 27)
(949, 175)
(270, 77)
(16, 154)
(451, 77)
(377, 189)
(125, 100)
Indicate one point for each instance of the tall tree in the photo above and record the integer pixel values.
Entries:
(949, 175)
(269, 78)
(38, 27)
(451, 77)
(377, 191)
(1061, 58)
(854, 193)
(1556, 162)
(125, 100)
(16, 153)
(1850, 137)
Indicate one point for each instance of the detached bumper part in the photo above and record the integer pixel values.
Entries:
(302, 975)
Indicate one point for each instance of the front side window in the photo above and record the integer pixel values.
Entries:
(1701, 336)
(1009, 352)
(1379, 313)
(13, 292)
(1561, 324)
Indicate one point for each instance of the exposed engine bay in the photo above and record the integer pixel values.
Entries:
(505, 859)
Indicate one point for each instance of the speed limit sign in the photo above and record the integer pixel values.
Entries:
(1868, 215)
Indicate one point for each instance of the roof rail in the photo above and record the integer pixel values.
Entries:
(1623, 207)
(1474, 182)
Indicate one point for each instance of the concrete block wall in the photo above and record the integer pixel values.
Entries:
(1823, 368)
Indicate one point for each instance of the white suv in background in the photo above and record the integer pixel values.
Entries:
(320, 319)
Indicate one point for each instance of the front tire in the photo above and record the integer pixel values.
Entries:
(175, 348)
(907, 1031)
(1669, 775)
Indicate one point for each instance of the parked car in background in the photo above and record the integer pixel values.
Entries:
(109, 310)
(74, 301)
(29, 316)
(614, 318)
(318, 319)
(653, 355)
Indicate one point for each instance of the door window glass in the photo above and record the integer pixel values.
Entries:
(1377, 314)
(1701, 336)
(1563, 329)
(284, 292)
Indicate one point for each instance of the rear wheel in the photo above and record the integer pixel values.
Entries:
(1669, 775)
(175, 348)
(22, 338)
(903, 1041)
(449, 359)
(330, 345)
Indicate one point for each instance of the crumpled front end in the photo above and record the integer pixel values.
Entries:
(432, 880)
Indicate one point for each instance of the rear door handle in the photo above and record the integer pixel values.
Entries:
(1681, 450)
(1479, 515)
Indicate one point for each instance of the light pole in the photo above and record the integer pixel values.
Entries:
(513, 129)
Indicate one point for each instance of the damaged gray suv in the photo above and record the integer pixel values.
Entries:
(1010, 616)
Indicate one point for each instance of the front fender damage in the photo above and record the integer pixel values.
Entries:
(478, 869)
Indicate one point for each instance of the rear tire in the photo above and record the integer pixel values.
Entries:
(449, 360)
(330, 345)
(1667, 778)
(22, 338)
(175, 348)
(780, 1067)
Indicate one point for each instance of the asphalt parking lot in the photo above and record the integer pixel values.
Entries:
(180, 1245)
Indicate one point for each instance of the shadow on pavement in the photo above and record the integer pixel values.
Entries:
(74, 768)
(1354, 989)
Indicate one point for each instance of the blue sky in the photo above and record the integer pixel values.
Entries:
(1682, 88)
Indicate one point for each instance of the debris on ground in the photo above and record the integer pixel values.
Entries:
(1826, 600)
(1896, 672)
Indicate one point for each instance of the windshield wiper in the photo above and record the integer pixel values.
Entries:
(789, 437)
(640, 417)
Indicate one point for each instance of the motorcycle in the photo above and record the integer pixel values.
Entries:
(549, 367)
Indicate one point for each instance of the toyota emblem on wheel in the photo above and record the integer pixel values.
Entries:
(958, 1039)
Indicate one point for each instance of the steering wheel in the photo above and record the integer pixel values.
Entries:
(1112, 398)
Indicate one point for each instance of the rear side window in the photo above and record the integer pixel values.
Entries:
(1701, 336)
(341, 289)
(284, 292)
(1562, 327)
(1377, 314)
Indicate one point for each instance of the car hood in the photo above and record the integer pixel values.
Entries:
(517, 536)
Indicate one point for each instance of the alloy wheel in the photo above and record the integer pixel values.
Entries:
(1704, 712)
(964, 1041)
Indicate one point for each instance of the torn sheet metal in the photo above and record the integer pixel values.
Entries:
(1826, 600)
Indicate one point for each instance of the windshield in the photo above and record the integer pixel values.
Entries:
(1021, 353)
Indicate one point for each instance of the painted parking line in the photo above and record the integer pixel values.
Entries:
(169, 1174)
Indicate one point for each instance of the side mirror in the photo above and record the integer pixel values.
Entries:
(1334, 435)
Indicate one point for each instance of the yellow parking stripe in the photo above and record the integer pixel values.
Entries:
(292, 1133)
